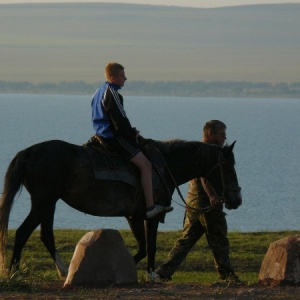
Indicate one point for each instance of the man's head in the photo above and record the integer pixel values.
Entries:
(214, 132)
(115, 74)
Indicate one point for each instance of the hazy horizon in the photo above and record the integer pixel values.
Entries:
(73, 42)
(185, 3)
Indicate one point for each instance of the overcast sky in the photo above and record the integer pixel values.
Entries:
(191, 3)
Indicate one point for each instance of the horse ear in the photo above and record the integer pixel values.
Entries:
(230, 148)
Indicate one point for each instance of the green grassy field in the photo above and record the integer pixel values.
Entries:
(247, 253)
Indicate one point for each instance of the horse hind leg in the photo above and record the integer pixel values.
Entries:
(37, 216)
(47, 237)
(22, 235)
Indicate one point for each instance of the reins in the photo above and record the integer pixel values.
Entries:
(161, 176)
(223, 199)
(205, 209)
(220, 166)
(188, 207)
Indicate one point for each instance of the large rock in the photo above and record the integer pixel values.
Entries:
(281, 264)
(101, 258)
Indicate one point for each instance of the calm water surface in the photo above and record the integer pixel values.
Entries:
(267, 150)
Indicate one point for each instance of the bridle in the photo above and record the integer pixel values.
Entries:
(223, 199)
(220, 163)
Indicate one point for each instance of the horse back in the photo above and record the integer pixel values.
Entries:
(65, 171)
(50, 165)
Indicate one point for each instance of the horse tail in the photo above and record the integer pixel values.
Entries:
(12, 184)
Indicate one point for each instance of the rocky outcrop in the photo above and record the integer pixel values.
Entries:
(101, 258)
(281, 264)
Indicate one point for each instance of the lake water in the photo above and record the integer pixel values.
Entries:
(267, 150)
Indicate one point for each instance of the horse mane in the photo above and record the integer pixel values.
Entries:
(166, 146)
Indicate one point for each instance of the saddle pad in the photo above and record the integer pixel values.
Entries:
(111, 166)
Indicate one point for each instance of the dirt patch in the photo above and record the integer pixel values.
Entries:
(190, 291)
(157, 291)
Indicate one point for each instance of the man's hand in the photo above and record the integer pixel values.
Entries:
(215, 201)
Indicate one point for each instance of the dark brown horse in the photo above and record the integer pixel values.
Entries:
(55, 170)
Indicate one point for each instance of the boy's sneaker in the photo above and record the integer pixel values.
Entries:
(156, 210)
(168, 209)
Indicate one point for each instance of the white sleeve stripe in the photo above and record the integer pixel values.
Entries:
(117, 100)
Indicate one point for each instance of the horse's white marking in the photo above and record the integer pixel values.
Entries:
(60, 266)
(152, 276)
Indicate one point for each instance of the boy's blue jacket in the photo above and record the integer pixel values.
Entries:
(108, 115)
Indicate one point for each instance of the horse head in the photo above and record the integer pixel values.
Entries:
(222, 176)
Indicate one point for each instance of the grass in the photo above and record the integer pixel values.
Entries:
(38, 270)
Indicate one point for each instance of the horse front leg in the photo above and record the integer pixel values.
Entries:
(151, 227)
(136, 224)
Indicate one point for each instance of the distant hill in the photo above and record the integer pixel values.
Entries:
(73, 42)
(221, 89)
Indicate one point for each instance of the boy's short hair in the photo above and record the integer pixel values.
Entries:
(213, 126)
(112, 69)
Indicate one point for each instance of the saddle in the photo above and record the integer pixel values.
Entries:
(109, 165)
